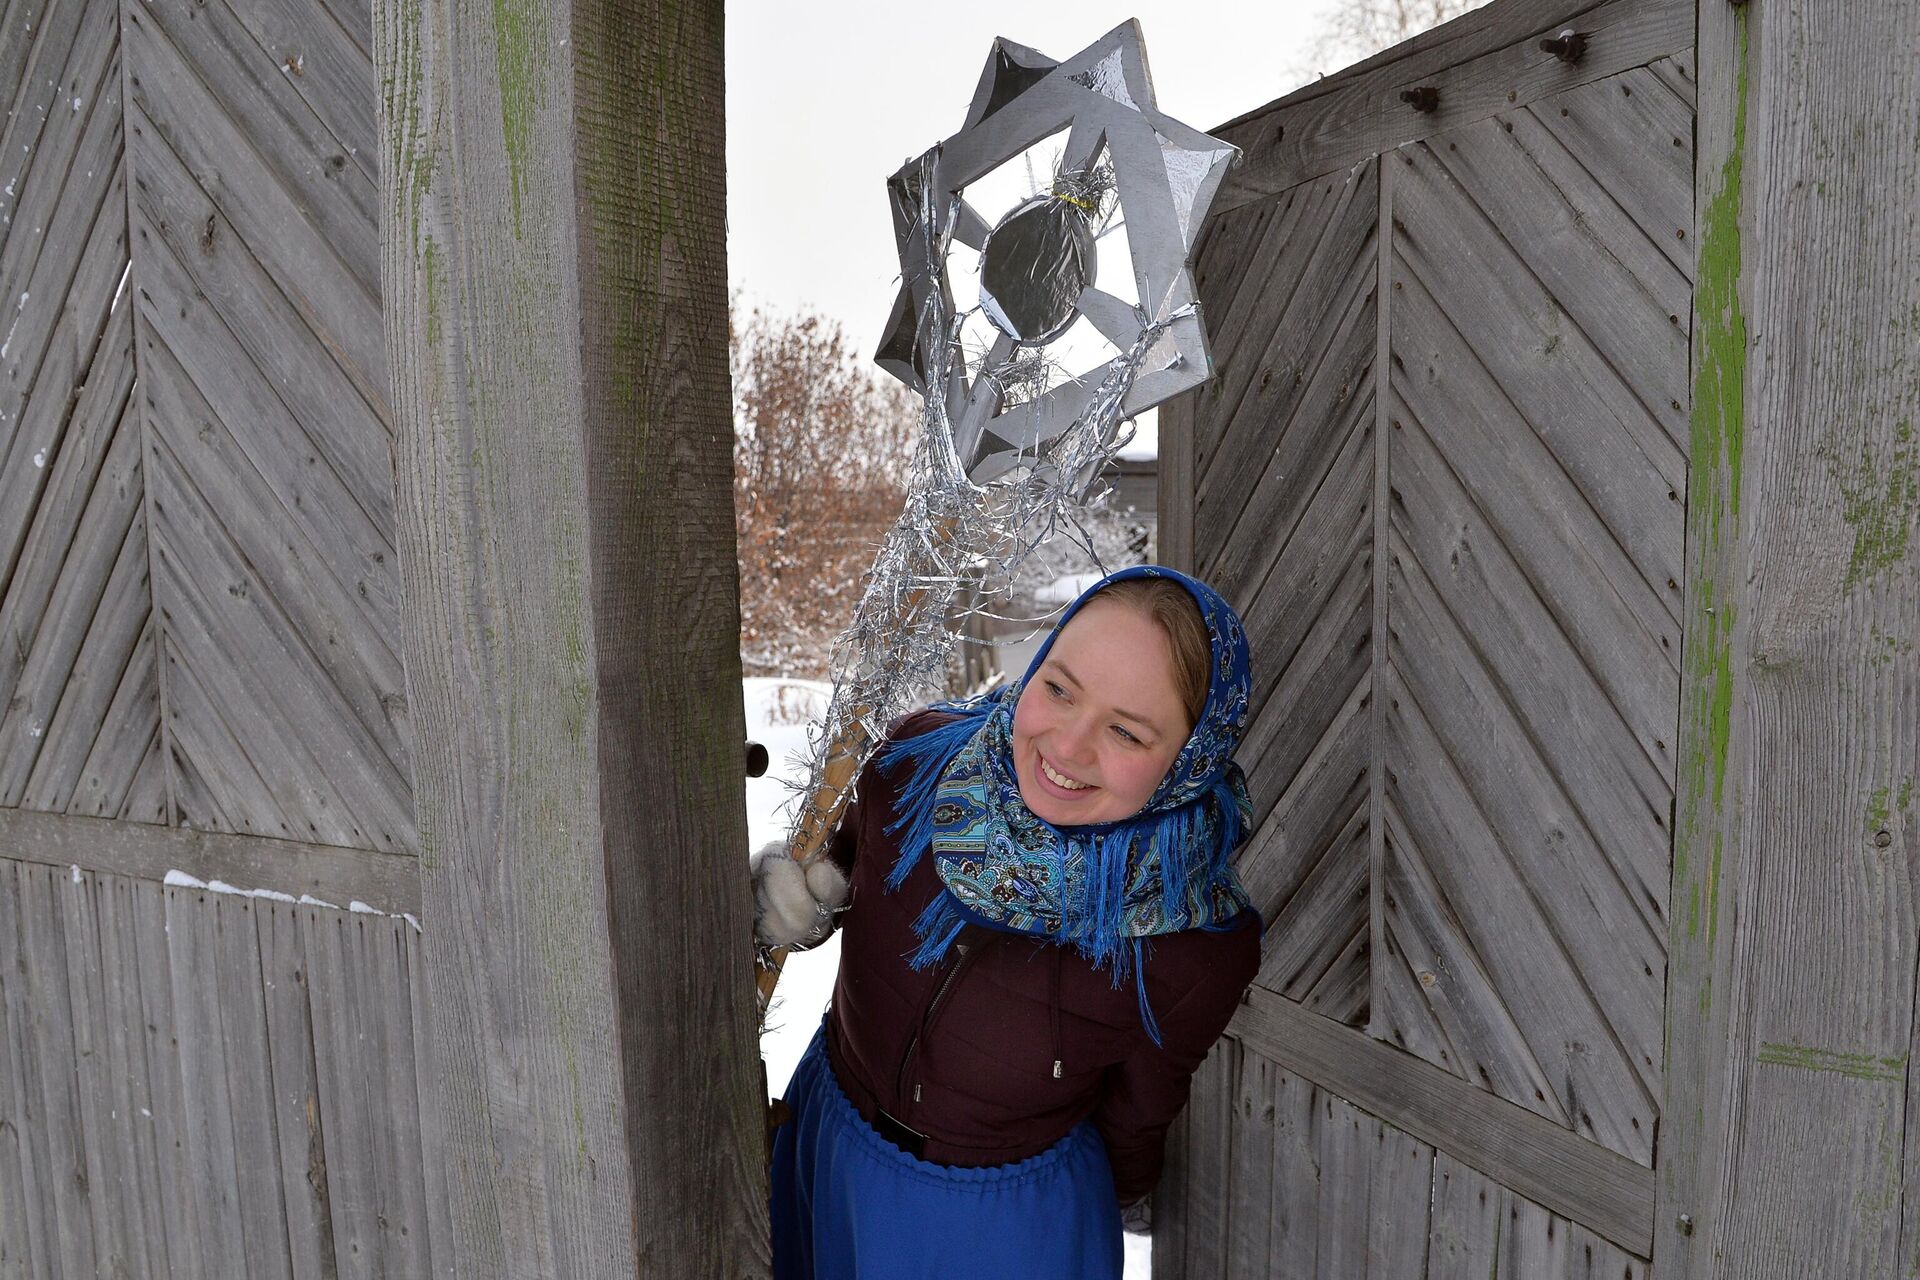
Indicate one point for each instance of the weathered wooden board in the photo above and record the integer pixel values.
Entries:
(1478, 1038)
(254, 210)
(59, 299)
(1484, 880)
(1207, 1198)
(1542, 1160)
(566, 535)
(88, 630)
(386, 882)
(1481, 63)
(1788, 1145)
(1307, 352)
(1484, 1231)
(1250, 1172)
(165, 1105)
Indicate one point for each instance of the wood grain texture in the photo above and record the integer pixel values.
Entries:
(1482, 62)
(386, 882)
(190, 1081)
(1577, 1178)
(1282, 446)
(267, 462)
(1466, 575)
(552, 243)
(1173, 526)
(1791, 993)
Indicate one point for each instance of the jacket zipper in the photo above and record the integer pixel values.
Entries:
(926, 1023)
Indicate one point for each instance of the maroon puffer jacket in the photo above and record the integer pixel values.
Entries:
(995, 1053)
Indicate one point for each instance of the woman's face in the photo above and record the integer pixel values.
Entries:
(1099, 724)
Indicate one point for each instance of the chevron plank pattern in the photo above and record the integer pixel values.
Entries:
(1461, 748)
(1283, 526)
(263, 381)
(198, 587)
(79, 700)
(1536, 461)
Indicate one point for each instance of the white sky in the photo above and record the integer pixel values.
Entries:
(827, 98)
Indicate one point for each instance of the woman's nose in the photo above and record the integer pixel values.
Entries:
(1075, 740)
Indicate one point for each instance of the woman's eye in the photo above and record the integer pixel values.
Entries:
(1125, 736)
(1056, 690)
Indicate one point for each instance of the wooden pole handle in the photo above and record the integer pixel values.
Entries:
(823, 809)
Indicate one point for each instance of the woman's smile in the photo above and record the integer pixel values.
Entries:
(1059, 779)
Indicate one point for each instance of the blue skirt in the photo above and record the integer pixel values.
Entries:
(849, 1205)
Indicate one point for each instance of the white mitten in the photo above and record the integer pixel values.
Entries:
(794, 906)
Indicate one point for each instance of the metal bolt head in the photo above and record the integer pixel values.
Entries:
(1425, 98)
(1883, 838)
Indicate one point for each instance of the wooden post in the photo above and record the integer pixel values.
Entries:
(553, 260)
(1788, 1125)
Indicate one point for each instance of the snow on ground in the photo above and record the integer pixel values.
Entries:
(779, 711)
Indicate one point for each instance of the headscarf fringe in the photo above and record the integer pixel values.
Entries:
(929, 753)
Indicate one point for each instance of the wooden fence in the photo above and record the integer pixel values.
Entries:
(218, 1010)
(199, 668)
(1564, 473)
(1561, 461)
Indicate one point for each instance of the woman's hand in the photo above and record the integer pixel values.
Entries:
(794, 906)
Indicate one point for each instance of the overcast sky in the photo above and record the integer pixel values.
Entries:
(826, 98)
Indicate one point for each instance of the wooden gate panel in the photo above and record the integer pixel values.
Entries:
(1269, 251)
(1436, 995)
(1463, 760)
(1284, 456)
(1483, 1229)
(1311, 342)
(256, 265)
(78, 705)
(1489, 352)
(1534, 536)
(263, 1122)
(1279, 1177)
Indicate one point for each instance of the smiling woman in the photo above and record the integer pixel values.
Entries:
(1104, 715)
(989, 1105)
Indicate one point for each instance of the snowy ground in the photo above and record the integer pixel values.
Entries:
(778, 712)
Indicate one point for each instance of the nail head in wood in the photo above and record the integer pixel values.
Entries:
(1424, 99)
(1567, 45)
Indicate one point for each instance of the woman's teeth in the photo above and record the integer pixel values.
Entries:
(1061, 780)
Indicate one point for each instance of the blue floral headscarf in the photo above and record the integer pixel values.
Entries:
(1100, 888)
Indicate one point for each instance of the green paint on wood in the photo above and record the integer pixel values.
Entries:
(1883, 648)
(1858, 1066)
(1713, 503)
(1880, 499)
(1713, 891)
(409, 146)
(430, 269)
(519, 48)
(1885, 802)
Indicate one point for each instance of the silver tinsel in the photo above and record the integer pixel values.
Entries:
(961, 540)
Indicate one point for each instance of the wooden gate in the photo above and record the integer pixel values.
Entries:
(1442, 473)
(200, 687)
